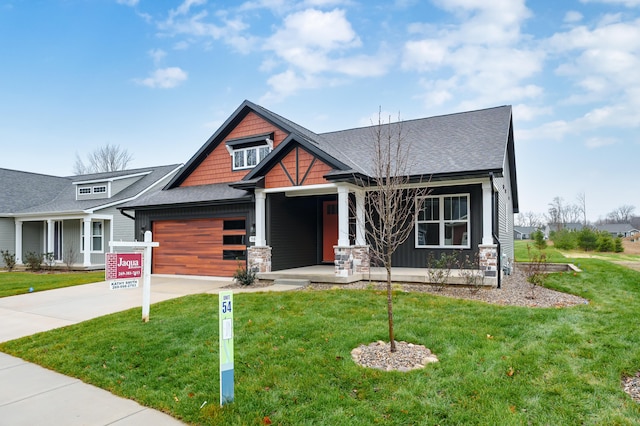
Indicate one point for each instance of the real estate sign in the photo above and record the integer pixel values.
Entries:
(225, 300)
(123, 270)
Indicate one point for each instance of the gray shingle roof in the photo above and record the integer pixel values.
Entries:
(190, 194)
(28, 193)
(463, 142)
(617, 228)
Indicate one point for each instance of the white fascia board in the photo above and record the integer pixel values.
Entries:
(111, 179)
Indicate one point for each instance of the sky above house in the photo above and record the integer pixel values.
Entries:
(158, 77)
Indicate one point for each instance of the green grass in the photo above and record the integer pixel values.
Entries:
(12, 283)
(293, 365)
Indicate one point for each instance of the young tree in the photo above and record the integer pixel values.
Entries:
(108, 158)
(391, 205)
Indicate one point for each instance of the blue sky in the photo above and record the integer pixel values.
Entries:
(158, 78)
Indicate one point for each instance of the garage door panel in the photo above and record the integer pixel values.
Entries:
(194, 247)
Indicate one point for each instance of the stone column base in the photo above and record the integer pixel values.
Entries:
(259, 259)
(350, 260)
(488, 259)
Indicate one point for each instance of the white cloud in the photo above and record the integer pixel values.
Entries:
(572, 16)
(157, 55)
(597, 142)
(164, 78)
(627, 3)
(128, 2)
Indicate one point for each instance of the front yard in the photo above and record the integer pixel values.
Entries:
(498, 364)
(13, 283)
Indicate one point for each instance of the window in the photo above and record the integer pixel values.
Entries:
(247, 158)
(99, 189)
(443, 221)
(97, 236)
(233, 239)
(85, 190)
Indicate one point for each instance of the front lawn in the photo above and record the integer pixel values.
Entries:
(498, 365)
(12, 283)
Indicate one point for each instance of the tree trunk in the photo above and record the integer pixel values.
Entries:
(390, 310)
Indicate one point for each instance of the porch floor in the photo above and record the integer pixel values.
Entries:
(325, 274)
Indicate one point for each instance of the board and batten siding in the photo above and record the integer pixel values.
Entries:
(32, 238)
(505, 213)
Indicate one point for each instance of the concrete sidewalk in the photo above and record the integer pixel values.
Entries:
(32, 395)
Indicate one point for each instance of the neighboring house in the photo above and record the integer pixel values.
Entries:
(267, 191)
(618, 229)
(523, 232)
(74, 218)
(554, 227)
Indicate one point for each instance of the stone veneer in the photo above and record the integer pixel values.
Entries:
(351, 260)
(259, 259)
(488, 255)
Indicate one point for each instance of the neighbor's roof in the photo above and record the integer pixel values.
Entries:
(32, 194)
(616, 227)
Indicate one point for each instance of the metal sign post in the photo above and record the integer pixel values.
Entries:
(225, 310)
(147, 245)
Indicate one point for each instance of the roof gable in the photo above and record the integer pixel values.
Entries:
(297, 167)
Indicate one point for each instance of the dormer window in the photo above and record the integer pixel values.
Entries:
(248, 152)
(84, 190)
(100, 189)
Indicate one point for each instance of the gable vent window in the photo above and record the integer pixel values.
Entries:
(99, 189)
(84, 191)
(249, 152)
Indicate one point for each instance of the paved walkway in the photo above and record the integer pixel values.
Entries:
(32, 395)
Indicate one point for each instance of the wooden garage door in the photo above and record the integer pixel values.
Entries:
(213, 247)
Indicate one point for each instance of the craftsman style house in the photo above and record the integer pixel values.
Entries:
(266, 191)
(71, 218)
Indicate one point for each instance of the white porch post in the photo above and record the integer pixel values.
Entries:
(18, 243)
(261, 239)
(487, 223)
(361, 239)
(49, 236)
(86, 222)
(343, 216)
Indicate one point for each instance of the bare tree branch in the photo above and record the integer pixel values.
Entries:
(108, 158)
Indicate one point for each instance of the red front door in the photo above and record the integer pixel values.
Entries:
(329, 229)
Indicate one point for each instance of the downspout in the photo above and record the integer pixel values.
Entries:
(496, 239)
(126, 214)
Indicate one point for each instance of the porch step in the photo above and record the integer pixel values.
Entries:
(292, 281)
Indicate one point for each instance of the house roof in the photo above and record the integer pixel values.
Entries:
(525, 229)
(191, 194)
(32, 194)
(468, 144)
(617, 228)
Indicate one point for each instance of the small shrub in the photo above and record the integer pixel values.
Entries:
(565, 240)
(70, 257)
(618, 247)
(587, 239)
(33, 261)
(49, 260)
(439, 270)
(535, 270)
(470, 272)
(538, 240)
(605, 242)
(243, 276)
(9, 260)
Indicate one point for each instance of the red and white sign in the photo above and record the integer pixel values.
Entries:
(124, 268)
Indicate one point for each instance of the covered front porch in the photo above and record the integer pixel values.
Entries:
(325, 274)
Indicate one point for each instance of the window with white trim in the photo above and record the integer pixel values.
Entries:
(248, 158)
(97, 236)
(84, 190)
(99, 189)
(443, 221)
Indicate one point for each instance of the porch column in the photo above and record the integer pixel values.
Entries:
(261, 240)
(49, 236)
(343, 216)
(259, 255)
(361, 239)
(86, 223)
(487, 222)
(18, 242)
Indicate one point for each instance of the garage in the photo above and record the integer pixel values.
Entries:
(210, 247)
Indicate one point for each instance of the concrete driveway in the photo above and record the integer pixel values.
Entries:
(32, 395)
